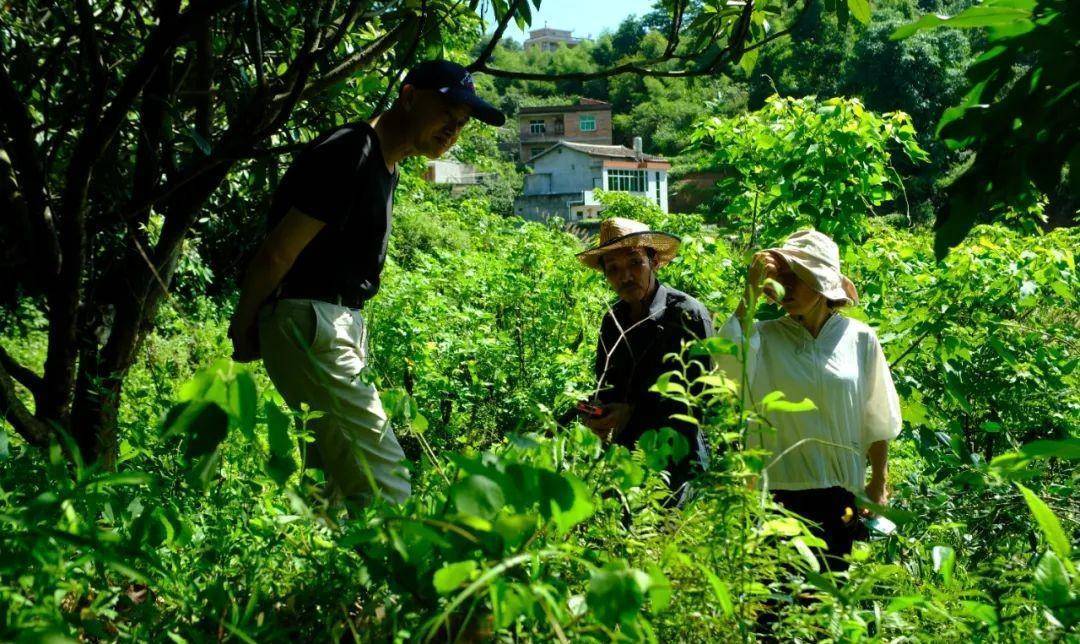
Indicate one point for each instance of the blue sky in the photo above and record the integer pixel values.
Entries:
(584, 17)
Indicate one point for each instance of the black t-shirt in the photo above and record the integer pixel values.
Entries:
(341, 179)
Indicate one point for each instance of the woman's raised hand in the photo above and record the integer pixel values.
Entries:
(764, 265)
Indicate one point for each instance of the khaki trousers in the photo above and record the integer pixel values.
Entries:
(314, 353)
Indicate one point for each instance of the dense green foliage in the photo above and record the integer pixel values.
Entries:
(210, 526)
(800, 162)
(487, 323)
(1021, 126)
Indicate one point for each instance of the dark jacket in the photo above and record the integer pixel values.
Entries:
(626, 367)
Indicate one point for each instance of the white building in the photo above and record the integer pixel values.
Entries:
(566, 176)
(446, 171)
(547, 39)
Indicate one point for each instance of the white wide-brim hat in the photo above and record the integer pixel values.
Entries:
(815, 259)
(617, 233)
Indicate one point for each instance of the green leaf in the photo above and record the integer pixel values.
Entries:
(1067, 449)
(1051, 527)
(785, 526)
(662, 447)
(721, 590)
(200, 142)
(665, 386)
(453, 575)
(905, 602)
(280, 467)
(199, 475)
(984, 15)
(807, 554)
(1051, 582)
(568, 499)
(243, 402)
(715, 345)
(774, 401)
(860, 9)
(749, 59)
(205, 424)
(478, 496)
(617, 593)
(944, 558)
(277, 425)
(120, 479)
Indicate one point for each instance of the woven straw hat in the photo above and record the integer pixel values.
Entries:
(815, 259)
(617, 233)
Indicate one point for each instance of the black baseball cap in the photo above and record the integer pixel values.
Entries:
(456, 83)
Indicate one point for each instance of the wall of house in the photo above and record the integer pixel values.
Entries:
(601, 135)
(544, 207)
(567, 171)
(562, 126)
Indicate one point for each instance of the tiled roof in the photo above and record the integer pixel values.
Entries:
(608, 151)
(579, 107)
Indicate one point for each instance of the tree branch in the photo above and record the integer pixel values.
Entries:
(33, 430)
(343, 26)
(346, 68)
(161, 42)
(23, 375)
(768, 39)
(204, 73)
(95, 66)
(392, 77)
(676, 26)
(15, 119)
(257, 55)
(65, 296)
(647, 67)
(489, 49)
(298, 72)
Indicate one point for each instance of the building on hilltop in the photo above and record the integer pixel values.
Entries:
(448, 171)
(566, 176)
(539, 128)
(457, 176)
(549, 39)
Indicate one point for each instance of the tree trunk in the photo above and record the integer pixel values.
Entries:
(133, 296)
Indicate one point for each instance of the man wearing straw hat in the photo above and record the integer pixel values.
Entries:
(647, 323)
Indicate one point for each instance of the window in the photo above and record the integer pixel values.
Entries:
(537, 126)
(658, 202)
(587, 123)
(626, 180)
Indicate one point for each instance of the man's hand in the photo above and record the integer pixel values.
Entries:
(608, 426)
(245, 339)
(272, 261)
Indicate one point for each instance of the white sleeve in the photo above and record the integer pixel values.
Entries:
(881, 409)
(731, 365)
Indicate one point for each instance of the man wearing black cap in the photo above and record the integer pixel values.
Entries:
(300, 301)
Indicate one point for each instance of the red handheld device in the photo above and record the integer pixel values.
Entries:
(593, 411)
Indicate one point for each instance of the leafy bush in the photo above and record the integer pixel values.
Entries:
(799, 162)
(213, 527)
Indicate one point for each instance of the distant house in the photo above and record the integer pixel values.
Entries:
(459, 176)
(589, 121)
(443, 171)
(566, 176)
(549, 39)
